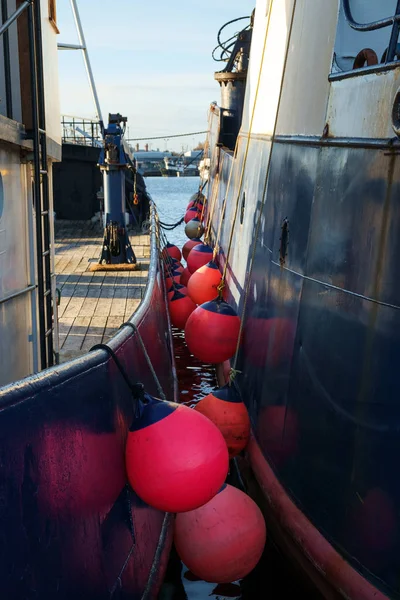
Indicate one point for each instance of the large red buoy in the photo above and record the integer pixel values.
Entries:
(189, 245)
(223, 540)
(194, 229)
(277, 431)
(204, 282)
(212, 331)
(185, 276)
(225, 408)
(176, 287)
(192, 213)
(172, 250)
(180, 308)
(199, 255)
(176, 459)
(269, 342)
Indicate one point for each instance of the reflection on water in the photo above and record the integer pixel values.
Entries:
(272, 578)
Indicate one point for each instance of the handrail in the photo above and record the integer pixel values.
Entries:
(15, 16)
(373, 26)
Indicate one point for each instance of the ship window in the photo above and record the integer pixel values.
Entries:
(367, 35)
(53, 14)
(242, 208)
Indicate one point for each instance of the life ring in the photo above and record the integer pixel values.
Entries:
(366, 57)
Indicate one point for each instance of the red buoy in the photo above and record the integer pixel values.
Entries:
(277, 431)
(176, 459)
(176, 287)
(195, 203)
(192, 213)
(185, 276)
(172, 250)
(204, 282)
(199, 255)
(176, 266)
(194, 229)
(180, 308)
(269, 342)
(223, 540)
(227, 411)
(174, 276)
(189, 245)
(212, 331)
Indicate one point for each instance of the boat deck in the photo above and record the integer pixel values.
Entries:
(93, 305)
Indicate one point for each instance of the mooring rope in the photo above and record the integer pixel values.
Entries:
(148, 359)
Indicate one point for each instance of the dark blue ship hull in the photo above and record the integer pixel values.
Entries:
(320, 347)
(70, 526)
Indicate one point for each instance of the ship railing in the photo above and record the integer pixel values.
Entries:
(78, 130)
(393, 21)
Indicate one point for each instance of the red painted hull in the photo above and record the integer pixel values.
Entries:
(328, 570)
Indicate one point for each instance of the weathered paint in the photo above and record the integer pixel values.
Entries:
(320, 347)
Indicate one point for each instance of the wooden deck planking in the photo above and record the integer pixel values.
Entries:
(93, 305)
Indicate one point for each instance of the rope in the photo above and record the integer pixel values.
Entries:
(171, 226)
(264, 193)
(165, 137)
(148, 359)
(137, 389)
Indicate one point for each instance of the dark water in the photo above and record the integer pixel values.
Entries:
(273, 578)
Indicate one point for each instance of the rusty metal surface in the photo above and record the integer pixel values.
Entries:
(321, 345)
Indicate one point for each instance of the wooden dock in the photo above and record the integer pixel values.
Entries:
(93, 305)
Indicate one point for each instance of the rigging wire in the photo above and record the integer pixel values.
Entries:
(165, 137)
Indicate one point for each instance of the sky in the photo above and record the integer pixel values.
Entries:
(151, 61)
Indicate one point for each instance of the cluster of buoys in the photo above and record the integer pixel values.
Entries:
(219, 535)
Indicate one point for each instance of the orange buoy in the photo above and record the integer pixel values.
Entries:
(194, 229)
(168, 464)
(199, 255)
(225, 408)
(223, 540)
(192, 213)
(185, 276)
(204, 282)
(277, 431)
(189, 245)
(172, 250)
(269, 342)
(181, 307)
(212, 331)
(176, 287)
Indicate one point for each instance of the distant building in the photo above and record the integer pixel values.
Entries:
(150, 162)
